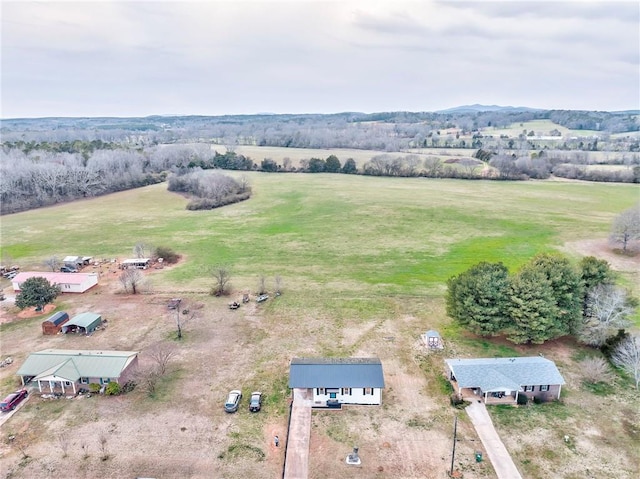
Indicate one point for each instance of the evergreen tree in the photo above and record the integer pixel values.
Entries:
(36, 291)
(477, 298)
(567, 288)
(532, 308)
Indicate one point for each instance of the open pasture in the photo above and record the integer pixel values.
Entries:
(363, 263)
(540, 128)
(397, 236)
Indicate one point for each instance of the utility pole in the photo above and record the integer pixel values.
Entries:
(453, 451)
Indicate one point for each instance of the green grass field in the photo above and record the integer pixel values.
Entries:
(542, 127)
(343, 235)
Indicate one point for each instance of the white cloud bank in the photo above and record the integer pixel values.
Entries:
(224, 57)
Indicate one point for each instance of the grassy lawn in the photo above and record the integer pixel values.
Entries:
(353, 236)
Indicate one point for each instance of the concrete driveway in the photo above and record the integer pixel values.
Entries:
(4, 416)
(498, 454)
(296, 464)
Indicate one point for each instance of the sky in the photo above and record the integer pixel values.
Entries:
(140, 58)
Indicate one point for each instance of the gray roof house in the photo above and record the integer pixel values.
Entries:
(67, 370)
(337, 381)
(499, 378)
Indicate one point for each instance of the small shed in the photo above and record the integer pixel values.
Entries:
(72, 260)
(53, 324)
(433, 340)
(83, 323)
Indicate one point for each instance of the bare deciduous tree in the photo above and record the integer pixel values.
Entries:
(161, 353)
(278, 280)
(262, 284)
(627, 357)
(626, 227)
(102, 442)
(606, 311)
(140, 249)
(131, 280)
(596, 370)
(85, 449)
(63, 442)
(221, 275)
(188, 313)
(52, 263)
(147, 379)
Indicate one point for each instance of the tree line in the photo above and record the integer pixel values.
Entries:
(33, 178)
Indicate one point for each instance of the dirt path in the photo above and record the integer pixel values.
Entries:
(498, 454)
(297, 461)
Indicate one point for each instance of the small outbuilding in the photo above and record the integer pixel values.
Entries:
(53, 324)
(83, 323)
(432, 339)
(72, 261)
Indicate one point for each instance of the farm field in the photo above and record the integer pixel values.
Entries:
(540, 127)
(363, 264)
(258, 153)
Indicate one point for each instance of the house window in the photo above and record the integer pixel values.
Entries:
(544, 388)
(320, 391)
(67, 383)
(84, 380)
(528, 389)
(346, 391)
(333, 395)
(367, 391)
(105, 380)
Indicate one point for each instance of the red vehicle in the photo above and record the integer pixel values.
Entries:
(12, 400)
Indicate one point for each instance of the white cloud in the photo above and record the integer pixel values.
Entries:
(216, 57)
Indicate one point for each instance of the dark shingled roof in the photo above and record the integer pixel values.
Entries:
(336, 373)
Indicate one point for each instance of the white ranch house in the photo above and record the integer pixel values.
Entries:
(501, 379)
(337, 381)
(68, 282)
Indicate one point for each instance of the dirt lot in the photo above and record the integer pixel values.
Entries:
(183, 431)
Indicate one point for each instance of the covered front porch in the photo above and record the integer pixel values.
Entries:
(497, 396)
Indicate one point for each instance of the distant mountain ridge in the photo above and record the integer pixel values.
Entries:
(482, 108)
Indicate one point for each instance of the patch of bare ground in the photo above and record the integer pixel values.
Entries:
(601, 249)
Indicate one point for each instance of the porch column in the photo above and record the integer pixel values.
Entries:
(50, 386)
(559, 390)
(516, 397)
(39, 386)
(485, 397)
(62, 385)
(73, 384)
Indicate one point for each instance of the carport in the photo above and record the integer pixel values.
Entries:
(84, 323)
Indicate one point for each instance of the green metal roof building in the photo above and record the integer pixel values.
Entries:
(84, 323)
(64, 369)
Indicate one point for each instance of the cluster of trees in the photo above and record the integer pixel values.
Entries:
(40, 178)
(546, 299)
(209, 189)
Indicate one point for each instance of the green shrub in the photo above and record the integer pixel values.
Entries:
(113, 389)
(128, 387)
(167, 254)
(94, 388)
(522, 400)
